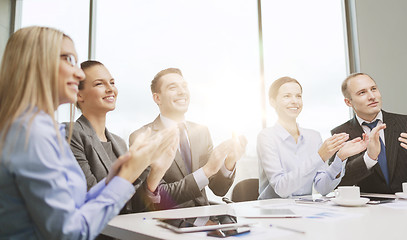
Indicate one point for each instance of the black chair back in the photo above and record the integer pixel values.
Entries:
(246, 190)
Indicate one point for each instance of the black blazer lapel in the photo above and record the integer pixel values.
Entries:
(391, 134)
(356, 130)
(117, 149)
(97, 146)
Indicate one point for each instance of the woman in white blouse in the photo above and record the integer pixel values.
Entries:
(291, 158)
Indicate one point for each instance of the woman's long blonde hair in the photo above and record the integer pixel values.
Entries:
(29, 75)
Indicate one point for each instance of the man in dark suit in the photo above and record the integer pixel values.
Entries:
(382, 168)
(197, 164)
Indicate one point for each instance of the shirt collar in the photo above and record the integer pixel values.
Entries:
(379, 116)
(284, 134)
(167, 122)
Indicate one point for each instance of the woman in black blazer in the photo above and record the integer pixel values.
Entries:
(94, 147)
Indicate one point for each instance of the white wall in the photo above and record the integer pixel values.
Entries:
(382, 37)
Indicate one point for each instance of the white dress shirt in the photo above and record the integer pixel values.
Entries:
(289, 168)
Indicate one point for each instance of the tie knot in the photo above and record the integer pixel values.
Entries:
(182, 126)
(372, 124)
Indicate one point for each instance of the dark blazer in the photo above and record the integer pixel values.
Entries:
(372, 180)
(94, 161)
(178, 188)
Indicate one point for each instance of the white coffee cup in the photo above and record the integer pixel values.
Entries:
(348, 193)
(405, 187)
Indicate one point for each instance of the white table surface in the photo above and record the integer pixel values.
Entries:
(384, 221)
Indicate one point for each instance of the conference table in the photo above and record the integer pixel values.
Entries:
(316, 220)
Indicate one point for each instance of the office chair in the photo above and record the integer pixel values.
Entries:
(246, 190)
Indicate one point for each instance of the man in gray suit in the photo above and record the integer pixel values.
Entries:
(382, 168)
(197, 164)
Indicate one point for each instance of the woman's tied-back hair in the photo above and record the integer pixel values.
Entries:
(86, 65)
(275, 86)
(29, 75)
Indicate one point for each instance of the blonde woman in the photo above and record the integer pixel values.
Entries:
(293, 159)
(43, 192)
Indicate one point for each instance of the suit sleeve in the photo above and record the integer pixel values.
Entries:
(175, 193)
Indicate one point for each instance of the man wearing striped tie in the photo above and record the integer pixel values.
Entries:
(197, 164)
(382, 168)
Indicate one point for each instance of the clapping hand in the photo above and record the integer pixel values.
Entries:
(165, 153)
(238, 149)
(130, 165)
(228, 152)
(353, 147)
(164, 157)
(373, 147)
(331, 145)
(217, 158)
(146, 149)
(403, 140)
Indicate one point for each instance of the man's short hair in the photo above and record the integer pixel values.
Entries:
(275, 86)
(156, 83)
(345, 83)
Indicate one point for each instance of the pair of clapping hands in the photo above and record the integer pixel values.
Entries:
(371, 143)
(158, 151)
(339, 144)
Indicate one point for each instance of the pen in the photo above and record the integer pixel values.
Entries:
(288, 229)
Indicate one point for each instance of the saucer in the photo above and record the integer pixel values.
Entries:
(401, 195)
(351, 202)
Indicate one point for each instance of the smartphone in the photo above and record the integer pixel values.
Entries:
(311, 200)
(227, 232)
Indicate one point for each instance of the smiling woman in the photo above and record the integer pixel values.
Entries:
(38, 173)
(97, 93)
(42, 188)
(94, 147)
(291, 158)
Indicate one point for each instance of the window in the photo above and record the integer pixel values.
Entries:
(306, 41)
(216, 45)
(71, 17)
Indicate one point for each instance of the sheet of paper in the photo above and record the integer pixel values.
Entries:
(398, 204)
(323, 211)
